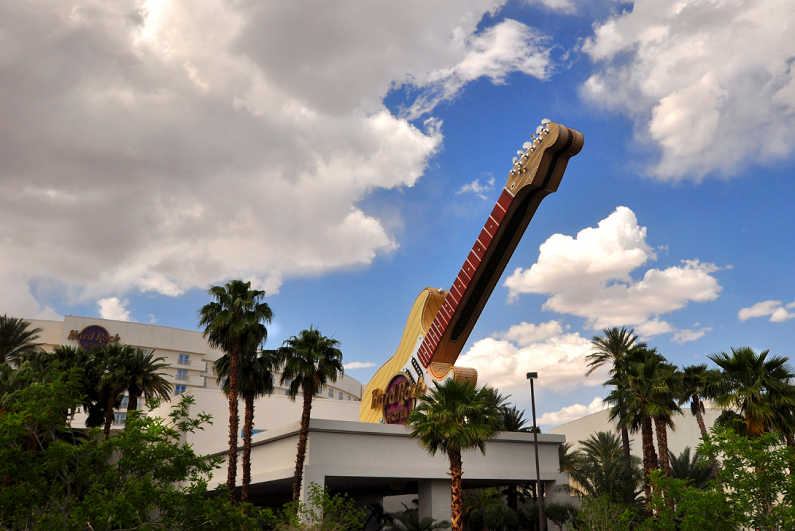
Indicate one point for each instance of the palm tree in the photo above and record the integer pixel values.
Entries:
(753, 386)
(600, 468)
(311, 360)
(233, 322)
(513, 420)
(17, 340)
(140, 370)
(109, 365)
(613, 348)
(255, 379)
(690, 467)
(639, 397)
(668, 384)
(454, 417)
(409, 520)
(694, 381)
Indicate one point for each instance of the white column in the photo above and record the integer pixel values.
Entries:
(435, 496)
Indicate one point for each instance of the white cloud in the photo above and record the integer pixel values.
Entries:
(476, 188)
(358, 365)
(570, 413)
(527, 333)
(775, 309)
(510, 46)
(590, 276)
(114, 309)
(698, 76)
(167, 145)
(684, 336)
(558, 358)
(565, 6)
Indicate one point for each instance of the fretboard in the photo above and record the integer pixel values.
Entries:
(464, 278)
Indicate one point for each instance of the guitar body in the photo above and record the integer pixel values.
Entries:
(440, 321)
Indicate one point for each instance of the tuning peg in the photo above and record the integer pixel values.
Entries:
(527, 145)
(546, 121)
(515, 160)
(539, 129)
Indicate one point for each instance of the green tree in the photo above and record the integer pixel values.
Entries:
(233, 322)
(69, 482)
(112, 360)
(311, 360)
(497, 517)
(600, 468)
(480, 499)
(638, 394)
(140, 369)
(690, 466)
(17, 339)
(761, 494)
(694, 382)
(322, 512)
(668, 389)
(753, 386)
(561, 513)
(255, 379)
(451, 418)
(613, 348)
(605, 514)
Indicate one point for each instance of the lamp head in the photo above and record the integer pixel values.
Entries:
(532, 375)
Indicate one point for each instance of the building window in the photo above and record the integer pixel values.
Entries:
(331, 393)
(184, 359)
(119, 419)
(124, 402)
(182, 374)
(349, 397)
(179, 389)
(340, 395)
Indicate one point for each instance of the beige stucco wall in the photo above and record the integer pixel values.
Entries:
(687, 432)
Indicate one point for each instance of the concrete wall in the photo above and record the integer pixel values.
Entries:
(687, 432)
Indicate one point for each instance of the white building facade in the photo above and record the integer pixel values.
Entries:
(189, 362)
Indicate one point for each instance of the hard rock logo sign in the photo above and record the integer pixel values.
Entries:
(398, 399)
(92, 337)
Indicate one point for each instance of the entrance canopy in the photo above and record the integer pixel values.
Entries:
(370, 461)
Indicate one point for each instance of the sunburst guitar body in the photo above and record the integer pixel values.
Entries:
(440, 321)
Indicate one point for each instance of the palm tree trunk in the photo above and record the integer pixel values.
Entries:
(625, 441)
(248, 426)
(234, 423)
(662, 445)
(455, 477)
(132, 404)
(109, 414)
(303, 437)
(704, 436)
(649, 460)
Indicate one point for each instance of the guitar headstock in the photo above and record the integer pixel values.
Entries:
(542, 160)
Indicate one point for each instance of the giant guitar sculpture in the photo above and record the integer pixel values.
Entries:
(440, 321)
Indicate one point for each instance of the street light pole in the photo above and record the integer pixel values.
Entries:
(541, 523)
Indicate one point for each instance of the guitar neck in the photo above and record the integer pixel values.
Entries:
(494, 247)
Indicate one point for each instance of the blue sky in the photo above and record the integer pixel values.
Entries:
(344, 155)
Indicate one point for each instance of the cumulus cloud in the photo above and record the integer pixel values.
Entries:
(775, 309)
(684, 336)
(510, 46)
(565, 6)
(590, 276)
(570, 413)
(358, 365)
(476, 188)
(167, 145)
(559, 358)
(114, 309)
(697, 76)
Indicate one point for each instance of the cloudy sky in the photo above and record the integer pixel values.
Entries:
(343, 155)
